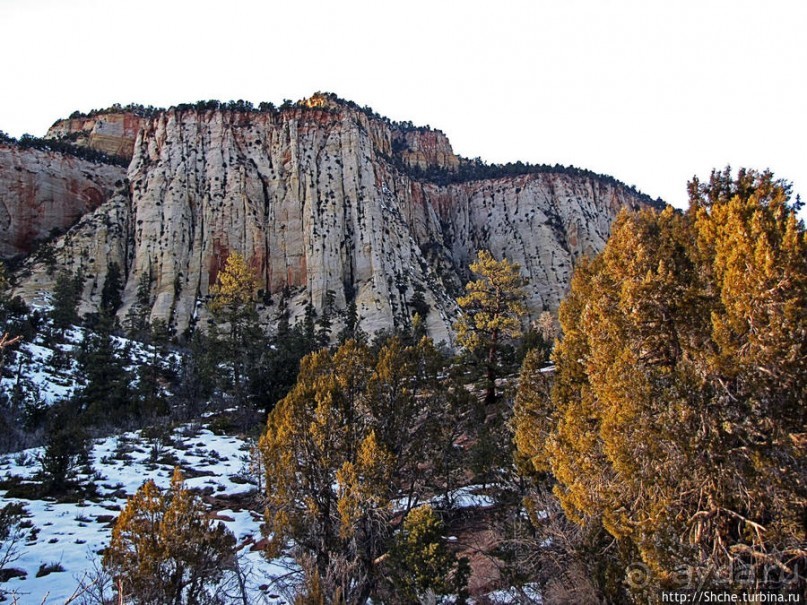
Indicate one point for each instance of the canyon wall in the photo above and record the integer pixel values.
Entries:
(43, 194)
(324, 197)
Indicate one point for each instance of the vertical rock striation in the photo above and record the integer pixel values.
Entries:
(323, 196)
(111, 133)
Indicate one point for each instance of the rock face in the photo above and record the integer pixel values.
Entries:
(424, 149)
(111, 133)
(44, 193)
(322, 197)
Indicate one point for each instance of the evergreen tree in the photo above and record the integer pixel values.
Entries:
(165, 549)
(310, 328)
(678, 404)
(150, 395)
(106, 393)
(423, 568)
(324, 322)
(137, 318)
(350, 436)
(66, 295)
(111, 292)
(310, 435)
(352, 329)
(491, 313)
(418, 303)
(66, 449)
(276, 373)
(233, 303)
(198, 375)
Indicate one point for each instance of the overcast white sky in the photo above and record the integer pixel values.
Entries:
(651, 92)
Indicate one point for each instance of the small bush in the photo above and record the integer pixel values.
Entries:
(48, 568)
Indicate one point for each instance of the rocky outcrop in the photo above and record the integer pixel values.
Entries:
(424, 149)
(323, 198)
(43, 194)
(112, 133)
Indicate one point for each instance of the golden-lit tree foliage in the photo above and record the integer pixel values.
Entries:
(164, 549)
(348, 440)
(424, 567)
(491, 311)
(234, 288)
(233, 303)
(679, 405)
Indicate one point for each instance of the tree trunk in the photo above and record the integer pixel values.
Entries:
(490, 393)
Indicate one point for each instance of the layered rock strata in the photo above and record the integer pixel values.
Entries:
(320, 198)
(111, 133)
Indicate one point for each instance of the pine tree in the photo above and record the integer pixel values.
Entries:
(106, 393)
(66, 295)
(491, 313)
(65, 451)
(324, 322)
(164, 549)
(352, 329)
(678, 403)
(197, 375)
(418, 303)
(111, 292)
(234, 291)
(137, 318)
(150, 395)
(309, 328)
(233, 302)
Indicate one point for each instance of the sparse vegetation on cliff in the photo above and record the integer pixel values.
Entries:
(477, 169)
(469, 169)
(63, 146)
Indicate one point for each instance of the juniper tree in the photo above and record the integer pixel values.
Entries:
(351, 436)
(677, 412)
(165, 549)
(423, 568)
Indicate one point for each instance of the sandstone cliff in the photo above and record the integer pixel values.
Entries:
(111, 133)
(320, 197)
(44, 193)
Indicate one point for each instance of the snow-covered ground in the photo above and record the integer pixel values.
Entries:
(47, 373)
(65, 541)
(72, 536)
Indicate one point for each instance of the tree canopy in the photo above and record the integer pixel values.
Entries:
(164, 549)
(678, 410)
(345, 458)
(491, 312)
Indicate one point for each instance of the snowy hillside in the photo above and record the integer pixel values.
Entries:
(58, 554)
(70, 536)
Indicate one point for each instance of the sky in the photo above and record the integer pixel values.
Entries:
(651, 92)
